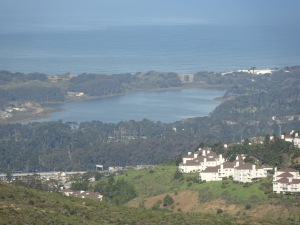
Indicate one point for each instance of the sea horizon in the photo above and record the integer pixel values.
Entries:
(115, 49)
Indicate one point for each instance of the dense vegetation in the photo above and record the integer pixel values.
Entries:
(19, 205)
(58, 146)
(105, 85)
(254, 105)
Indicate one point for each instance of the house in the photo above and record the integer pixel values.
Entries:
(200, 160)
(296, 141)
(288, 138)
(286, 181)
(226, 169)
(247, 172)
(238, 170)
(213, 167)
(293, 137)
(82, 194)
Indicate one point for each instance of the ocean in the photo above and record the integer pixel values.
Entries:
(113, 49)
(141, 48)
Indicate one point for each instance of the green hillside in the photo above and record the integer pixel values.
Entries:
(19, 205)
(193, 203)
(191, 195)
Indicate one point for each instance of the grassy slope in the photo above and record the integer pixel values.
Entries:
(153, 184)
(19, 205)
(152, 181)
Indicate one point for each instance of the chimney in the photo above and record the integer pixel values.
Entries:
(253, 167)
(221, 166)
(204, 153)
(237, 163)
(189, 153)
(296, 134)
(220, 157)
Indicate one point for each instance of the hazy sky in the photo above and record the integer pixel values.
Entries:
(52, 13)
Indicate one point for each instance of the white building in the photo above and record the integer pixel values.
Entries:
(200, 160)
(226, 169)
(286, 180)
(238, 170)
(213, 167)
(247, 173)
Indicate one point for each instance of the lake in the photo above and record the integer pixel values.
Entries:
(164, 106)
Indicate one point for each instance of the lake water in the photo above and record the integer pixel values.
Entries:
(164, 106)
(141, 48)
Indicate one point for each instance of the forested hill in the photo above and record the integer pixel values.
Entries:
(254, 105)
(41, 88)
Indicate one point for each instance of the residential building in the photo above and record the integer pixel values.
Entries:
(238, 170)
(286, 181)
(200, 160)
(82, 194)
(213, 167)
(247, 172)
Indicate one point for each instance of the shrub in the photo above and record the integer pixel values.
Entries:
(248, 206)
(156, 206)
(168, 200)
(219, 211)
(178, 175)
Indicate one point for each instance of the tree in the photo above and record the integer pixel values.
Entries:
(178, 175)
(9, 176)
(119, 192)
(80, 185)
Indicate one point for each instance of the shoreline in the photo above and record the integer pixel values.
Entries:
(44, 110)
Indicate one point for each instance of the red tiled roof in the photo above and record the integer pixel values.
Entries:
(295, 181)
(192, 163)
(227, 165)
(211, 169)
(283, 180)
(189, 156)
(211, 159)
(198, 152)
(287, 170)
(246, 166)
(200, 158)
(286, 174)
